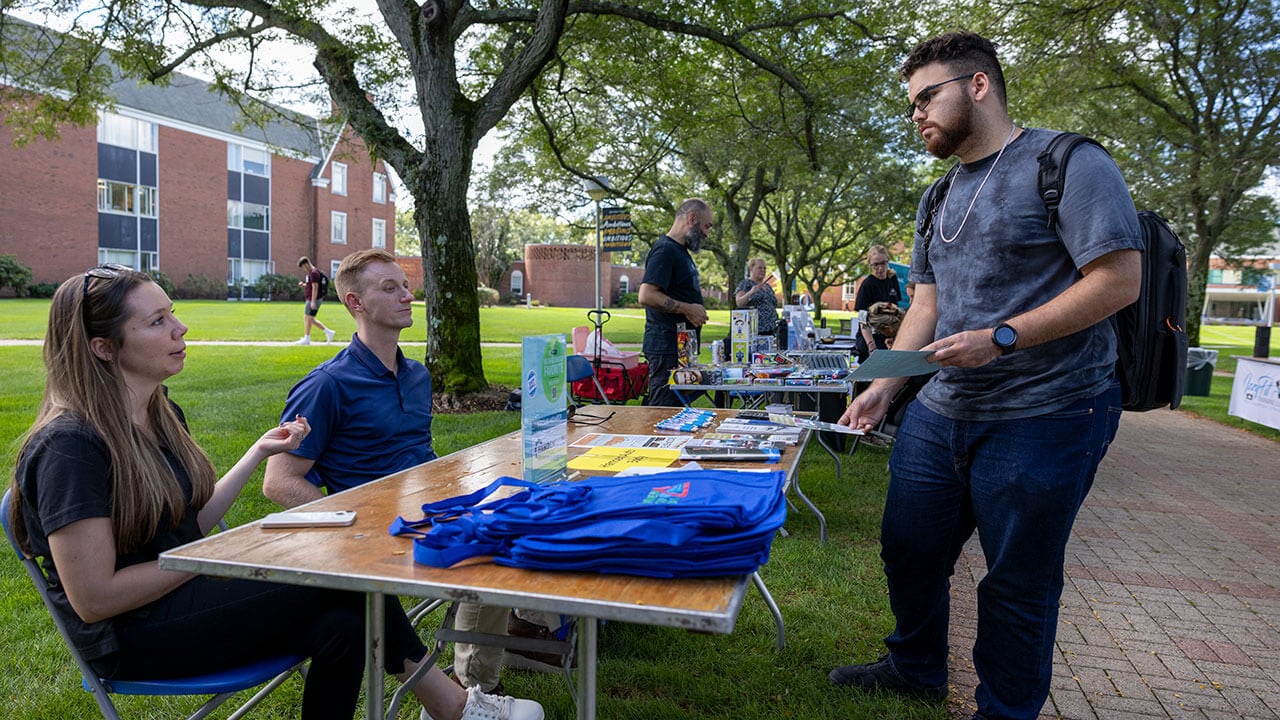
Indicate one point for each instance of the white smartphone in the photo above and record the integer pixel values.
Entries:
(335, 518)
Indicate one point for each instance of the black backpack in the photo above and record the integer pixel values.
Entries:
(324, 285)
(1151, 342)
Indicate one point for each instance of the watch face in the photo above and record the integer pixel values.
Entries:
(1005, 336)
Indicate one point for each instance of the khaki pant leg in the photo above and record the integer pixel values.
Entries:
(479, 665)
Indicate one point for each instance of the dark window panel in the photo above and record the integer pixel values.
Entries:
(117, 232)
(257, 245)
(257, 190)
(115, 163)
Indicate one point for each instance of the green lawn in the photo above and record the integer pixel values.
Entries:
(832, 596)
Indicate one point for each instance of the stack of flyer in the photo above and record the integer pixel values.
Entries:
(747, 423)
(687, 420)
(714, 449)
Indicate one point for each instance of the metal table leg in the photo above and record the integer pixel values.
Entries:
(374, 627)
(588, 633)
(773, 609)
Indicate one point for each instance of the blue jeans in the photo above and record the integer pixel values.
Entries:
(1019, 483)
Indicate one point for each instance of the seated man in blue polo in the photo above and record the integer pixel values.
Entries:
(370, 414)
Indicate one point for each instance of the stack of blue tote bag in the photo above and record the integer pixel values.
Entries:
(695, 523)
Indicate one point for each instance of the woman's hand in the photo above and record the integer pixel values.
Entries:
(285, 437)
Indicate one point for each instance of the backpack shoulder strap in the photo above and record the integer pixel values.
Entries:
(1053, 169)
(933, 200)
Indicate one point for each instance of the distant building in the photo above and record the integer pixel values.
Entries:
(168, 182)
(1245, 292)
(564, 276)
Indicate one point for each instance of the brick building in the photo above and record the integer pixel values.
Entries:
(167, 181)
(564, 276)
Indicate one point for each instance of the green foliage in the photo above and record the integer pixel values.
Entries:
(274, 286)
(42, 290)
(201, 287)
(488, 297)
(629, 300)
(163, 281)
(14, 274)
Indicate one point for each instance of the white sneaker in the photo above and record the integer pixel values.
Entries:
(328, 335)
(303, 341)
(481, 706)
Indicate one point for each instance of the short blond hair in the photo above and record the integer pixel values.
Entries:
(348, 276)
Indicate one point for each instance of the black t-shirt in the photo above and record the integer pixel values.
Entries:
(65, 476)
(874, 290)
(670, 268)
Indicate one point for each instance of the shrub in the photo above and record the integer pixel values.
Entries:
(629, 300)
(14, 274)
(273, 286)
(42, 290)
(488, 297)
(711, 302)
(164, 282)
(200, 287)
(419, 295)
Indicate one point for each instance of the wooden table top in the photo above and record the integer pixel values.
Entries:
(365, 557)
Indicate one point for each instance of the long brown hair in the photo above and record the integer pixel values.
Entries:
(145, 493)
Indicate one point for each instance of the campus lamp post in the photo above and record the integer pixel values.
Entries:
(598, 188)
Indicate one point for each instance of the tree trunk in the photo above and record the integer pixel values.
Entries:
(1197, 279)
(448, 264)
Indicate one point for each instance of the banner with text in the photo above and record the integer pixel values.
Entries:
(615, 229)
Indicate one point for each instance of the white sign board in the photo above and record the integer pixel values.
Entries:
(1255, 392)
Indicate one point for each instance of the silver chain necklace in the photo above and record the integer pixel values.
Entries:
(943, 215)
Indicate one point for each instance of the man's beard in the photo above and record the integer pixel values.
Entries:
(947, 140)
(693, 239)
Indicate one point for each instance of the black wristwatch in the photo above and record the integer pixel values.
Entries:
(1005, 338)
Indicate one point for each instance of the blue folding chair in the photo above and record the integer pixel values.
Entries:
(576, 368)
(221, 685)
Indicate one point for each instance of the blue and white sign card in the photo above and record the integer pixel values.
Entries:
(543, 411)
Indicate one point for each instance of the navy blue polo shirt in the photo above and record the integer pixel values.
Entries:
(366, 421)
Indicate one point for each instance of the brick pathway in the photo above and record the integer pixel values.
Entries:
(1172, 601)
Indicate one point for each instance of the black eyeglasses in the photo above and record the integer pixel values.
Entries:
(926, 94)
(105, 271)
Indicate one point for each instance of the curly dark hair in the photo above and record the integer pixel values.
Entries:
(962, 52)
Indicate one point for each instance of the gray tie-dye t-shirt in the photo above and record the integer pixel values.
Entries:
(1006, 261)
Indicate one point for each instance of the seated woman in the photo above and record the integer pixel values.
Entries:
(109, 477)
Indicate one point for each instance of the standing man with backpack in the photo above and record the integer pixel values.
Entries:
(1005, 439)
(314, 287)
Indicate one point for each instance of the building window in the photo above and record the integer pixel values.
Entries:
(517, 283)
(379, 233)
(850, 288)
(624, 285)
(144, 261)
(126, 132)
(118, 197)
(248, 216)
(338, 228)
(248, 160)
(1215, 277)
(339, 186)
(379, 188)
(246, 272)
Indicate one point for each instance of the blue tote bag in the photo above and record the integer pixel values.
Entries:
(700, 523)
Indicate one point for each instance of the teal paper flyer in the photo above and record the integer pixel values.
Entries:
(543, 412)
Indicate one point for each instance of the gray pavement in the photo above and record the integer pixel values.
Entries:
(1172, 601)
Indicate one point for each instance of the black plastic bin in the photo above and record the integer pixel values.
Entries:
(1200, 364)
